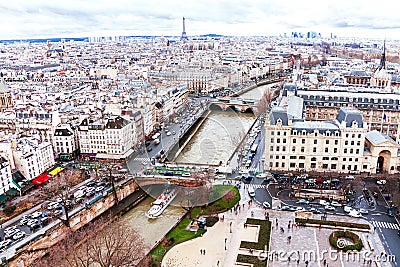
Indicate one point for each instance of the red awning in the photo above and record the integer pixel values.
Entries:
(41, 179)
(319, 180)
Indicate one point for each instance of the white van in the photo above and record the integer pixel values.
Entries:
(252, 193)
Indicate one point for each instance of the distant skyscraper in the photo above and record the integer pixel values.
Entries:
(184, 37)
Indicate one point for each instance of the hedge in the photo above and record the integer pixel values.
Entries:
(357, 243)
(263, 235)
(332, 223)
(252, 259)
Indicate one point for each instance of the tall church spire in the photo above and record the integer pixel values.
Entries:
(383, 57)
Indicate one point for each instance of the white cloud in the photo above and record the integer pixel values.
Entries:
(35, 18)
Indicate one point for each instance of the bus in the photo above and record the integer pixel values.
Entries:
(253, 148)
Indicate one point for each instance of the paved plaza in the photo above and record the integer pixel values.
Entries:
(306, 244)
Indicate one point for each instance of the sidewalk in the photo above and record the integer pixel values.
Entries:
(305, 244)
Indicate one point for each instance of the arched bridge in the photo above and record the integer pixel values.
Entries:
(238, 104)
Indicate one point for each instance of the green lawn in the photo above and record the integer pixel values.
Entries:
(229, 196)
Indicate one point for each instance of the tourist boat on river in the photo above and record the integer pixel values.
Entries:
(161, 203)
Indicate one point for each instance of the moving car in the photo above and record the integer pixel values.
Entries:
(355, 214)
(328, 207)
(266, 205)
(252, 192)
(336, 204)
(363, 211)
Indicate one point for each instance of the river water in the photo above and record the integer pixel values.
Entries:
(217, 138)
(215, 141)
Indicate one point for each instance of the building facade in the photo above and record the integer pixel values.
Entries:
(322, 146)
(110, 138)
(5, 175)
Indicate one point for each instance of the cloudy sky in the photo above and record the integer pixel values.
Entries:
(81, 18)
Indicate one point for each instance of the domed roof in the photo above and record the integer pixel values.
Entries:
(3, 87)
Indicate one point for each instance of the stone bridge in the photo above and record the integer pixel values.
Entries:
(150, 180)
(237, 104)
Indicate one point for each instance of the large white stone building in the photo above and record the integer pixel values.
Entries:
(32, 157)
(65, 142)
(110, 138)
(5, 175)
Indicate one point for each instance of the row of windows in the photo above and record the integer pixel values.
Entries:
(301, 165)
(314, 150)
(312, 159)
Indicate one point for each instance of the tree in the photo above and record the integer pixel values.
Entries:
(198, 195)
(102, 243)
(265, 101)
(60, 187)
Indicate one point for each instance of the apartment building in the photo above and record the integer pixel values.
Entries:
(32, 157)
(110, 138)
(5, 175)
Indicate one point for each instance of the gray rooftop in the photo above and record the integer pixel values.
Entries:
(377, 138)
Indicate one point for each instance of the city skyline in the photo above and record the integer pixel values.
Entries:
(46, 19)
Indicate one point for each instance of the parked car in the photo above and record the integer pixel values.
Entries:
(18, 235)
(381, 182)
(349, 177)
(252, 192)
(323, 202)
(36, 214)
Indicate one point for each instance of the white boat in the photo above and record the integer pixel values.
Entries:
(161, 203)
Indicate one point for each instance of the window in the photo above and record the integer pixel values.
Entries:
(359, 135)
(344, 159)
(357, 151)
(278, 140)
(358, 143)
(283, 157)
(313, 165)
(324, 166)
(303, 141)
(353, 136)
(284, 133)
(271, 148)
(277, 148)
(272, 132)
(314, 159)
(294, 149)
(293, 157)
(352, 143)
(346, 143)
(272, 140)
(271, 157)
(315, 141)
(283, 164)
(333, 166)
(343, 167)
(301, 165)
(302, 157)
(276, 164)
(284, 141)
(335, 150)
(314, 150)
(347, 135)
(302, 149)
(277, 157)
(325, 158)
(327, 142)
(365, 167)
(345, 150)
(294, 140)
(278, 133)
(292, 165)
(336, 142)
(326, 150)
(283, 148)
(351, 151)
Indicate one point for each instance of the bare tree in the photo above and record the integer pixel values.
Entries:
(60, 187)
(265, 101)
(197, 195)
(98, 244)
